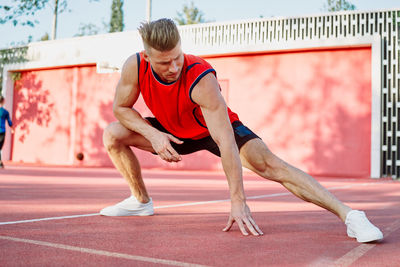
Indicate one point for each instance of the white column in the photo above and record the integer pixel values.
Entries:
(148, 10)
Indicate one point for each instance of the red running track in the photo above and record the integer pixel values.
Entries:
(49, 217)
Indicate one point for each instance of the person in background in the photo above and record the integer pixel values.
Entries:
(4, 116)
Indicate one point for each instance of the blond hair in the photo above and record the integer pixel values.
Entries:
(162, 34)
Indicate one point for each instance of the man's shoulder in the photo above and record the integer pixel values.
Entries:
(196, 62)
(134, 58)
(194, 58)
(131, 64)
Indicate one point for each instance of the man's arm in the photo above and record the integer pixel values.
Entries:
(126, 95)
(10, 124)
(208, 96)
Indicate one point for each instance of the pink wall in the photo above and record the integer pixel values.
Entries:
(94, 112)
(45, 104)
(313, 108)
(42, 114)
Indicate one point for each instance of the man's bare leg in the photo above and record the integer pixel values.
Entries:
(117, 140)
(256, 156)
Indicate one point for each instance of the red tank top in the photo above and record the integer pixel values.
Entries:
(171, 103)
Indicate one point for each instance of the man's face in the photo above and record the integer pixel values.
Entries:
(168, 64)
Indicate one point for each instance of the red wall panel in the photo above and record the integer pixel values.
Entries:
(312, 108)
(42, 115)
(94, 111)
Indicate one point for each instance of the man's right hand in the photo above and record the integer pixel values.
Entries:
(161, 143)
(240, 213)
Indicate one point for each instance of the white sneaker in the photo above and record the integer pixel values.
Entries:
(129, 207)
(358, 226)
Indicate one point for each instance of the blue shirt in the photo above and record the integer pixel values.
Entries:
(4, 115)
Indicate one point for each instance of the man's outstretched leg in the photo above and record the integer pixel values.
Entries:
(256, 156)
(117, 140)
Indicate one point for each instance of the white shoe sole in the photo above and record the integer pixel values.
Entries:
(377, 237)
(118, 210)
(122, 212)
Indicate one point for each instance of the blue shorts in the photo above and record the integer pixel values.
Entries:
(241, 132)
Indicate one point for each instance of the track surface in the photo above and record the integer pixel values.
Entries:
(49, 217)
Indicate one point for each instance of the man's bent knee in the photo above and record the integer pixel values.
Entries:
(115, 135)
(270, 168)
(264, 162)
(110, 134)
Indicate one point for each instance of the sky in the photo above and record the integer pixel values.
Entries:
(98, 13)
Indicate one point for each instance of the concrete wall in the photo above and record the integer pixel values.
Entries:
(298, 102)
(308, 87)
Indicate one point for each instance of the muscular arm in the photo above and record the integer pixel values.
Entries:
(213, 107)
(207, 95)
(126, 95)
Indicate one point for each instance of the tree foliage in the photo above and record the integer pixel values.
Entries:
(338, 5)
(11, 55)
(117, 16)
(45, 37)
(88, 29)
(190, 15)
(22, 12)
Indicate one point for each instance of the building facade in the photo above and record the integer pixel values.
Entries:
(322, 91)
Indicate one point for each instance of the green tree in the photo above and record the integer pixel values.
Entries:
(22, 12)
(338, 5)
(45, 37)
(117, 16)
(12, 55)
(190, 15)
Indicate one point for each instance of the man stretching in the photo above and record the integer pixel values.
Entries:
(190, 115)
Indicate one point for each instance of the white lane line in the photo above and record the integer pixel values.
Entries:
(100, 252)
(192, 204)
(353, 255)
(179, 205)
(50, 218)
